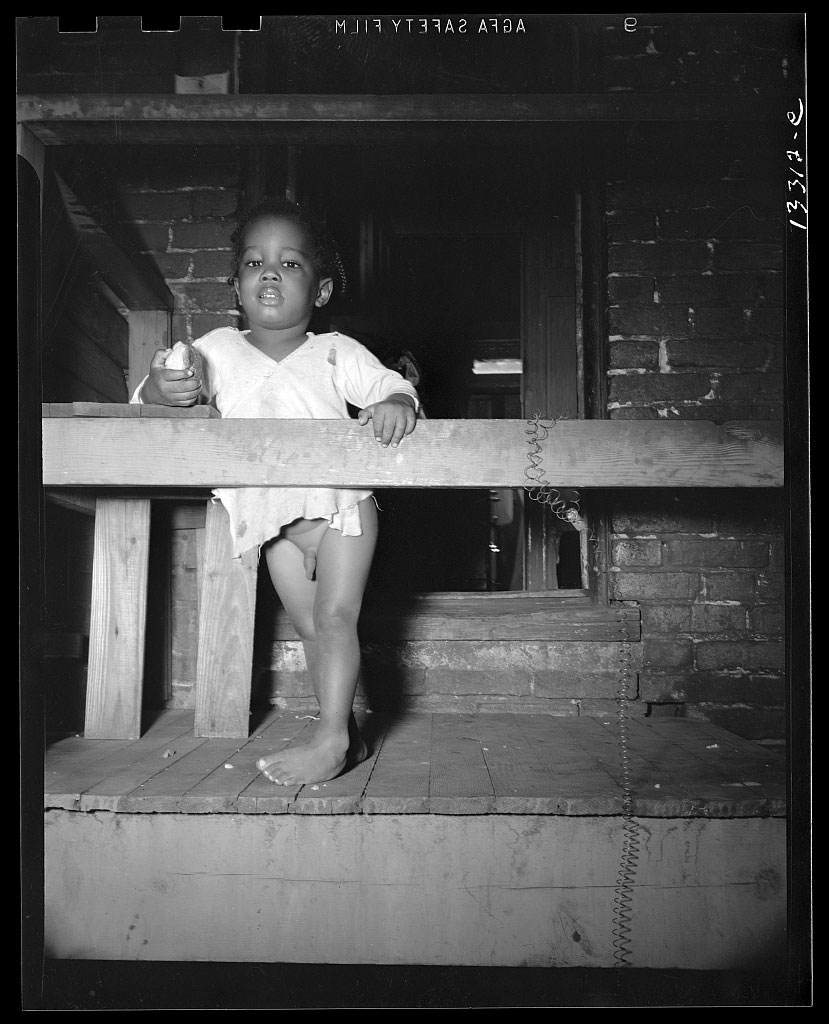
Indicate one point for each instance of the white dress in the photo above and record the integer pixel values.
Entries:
(314, 382)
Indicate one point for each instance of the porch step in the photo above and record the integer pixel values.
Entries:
(431, 764)
(464, 840)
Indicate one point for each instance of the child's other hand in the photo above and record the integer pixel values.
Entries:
(393, 419)
(169, 387)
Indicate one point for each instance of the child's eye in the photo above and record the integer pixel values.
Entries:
(252, 263)
(290, 263)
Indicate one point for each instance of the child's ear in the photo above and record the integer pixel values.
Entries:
(235, 282)
(324, 291)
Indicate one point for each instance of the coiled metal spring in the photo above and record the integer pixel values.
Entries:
(623, 896)
(540, 489)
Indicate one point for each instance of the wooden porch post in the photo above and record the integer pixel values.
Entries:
(118, 618)
(226, 621)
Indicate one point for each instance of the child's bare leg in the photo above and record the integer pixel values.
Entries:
(357, 750)
(324, 611)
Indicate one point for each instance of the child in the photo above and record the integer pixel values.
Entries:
(318, 542)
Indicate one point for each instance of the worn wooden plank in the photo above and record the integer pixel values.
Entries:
(655, 785)
(579, 784)
(123, 410)
(118, 618)
(507, 764)
(126, 410)
(695, 732)
(70, 769)
(66, 116)
(598, 749)
(527, 781)
(718, 760)
(225, 790)
(659, 764)
(73, 751)
(227, 606)
(440, 453)
(342, 795)
(459, 782)
(261, 796)
(282, 134)
(113, 793)
(399, 783)
(149, 329)
(169, 412)
(668, 781)
(521, 784)
(167, 791)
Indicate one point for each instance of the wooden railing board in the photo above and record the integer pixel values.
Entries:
(186, 452)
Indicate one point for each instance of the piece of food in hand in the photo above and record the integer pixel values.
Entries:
(184, 356)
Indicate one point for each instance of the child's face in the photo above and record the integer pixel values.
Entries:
(277, 282)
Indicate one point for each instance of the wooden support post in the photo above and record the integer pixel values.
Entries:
(226, 618)
(118, 618)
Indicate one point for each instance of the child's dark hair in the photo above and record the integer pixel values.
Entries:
(324, 249)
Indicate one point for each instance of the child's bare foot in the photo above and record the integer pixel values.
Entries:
(323, 757)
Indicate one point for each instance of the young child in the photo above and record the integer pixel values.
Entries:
(318, 542)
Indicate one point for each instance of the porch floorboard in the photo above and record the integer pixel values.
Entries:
(423, 763)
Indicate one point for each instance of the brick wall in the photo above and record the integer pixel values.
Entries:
(178, 209)
(706, 570)
(695, 328)
(696, 313)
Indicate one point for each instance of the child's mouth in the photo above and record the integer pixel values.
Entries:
(270, 297)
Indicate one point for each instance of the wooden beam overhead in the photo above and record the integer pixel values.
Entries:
(62, 119)
(182, 452)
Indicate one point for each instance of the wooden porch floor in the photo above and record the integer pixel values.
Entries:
(427, 763)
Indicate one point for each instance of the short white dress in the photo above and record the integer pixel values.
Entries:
(314, 382)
